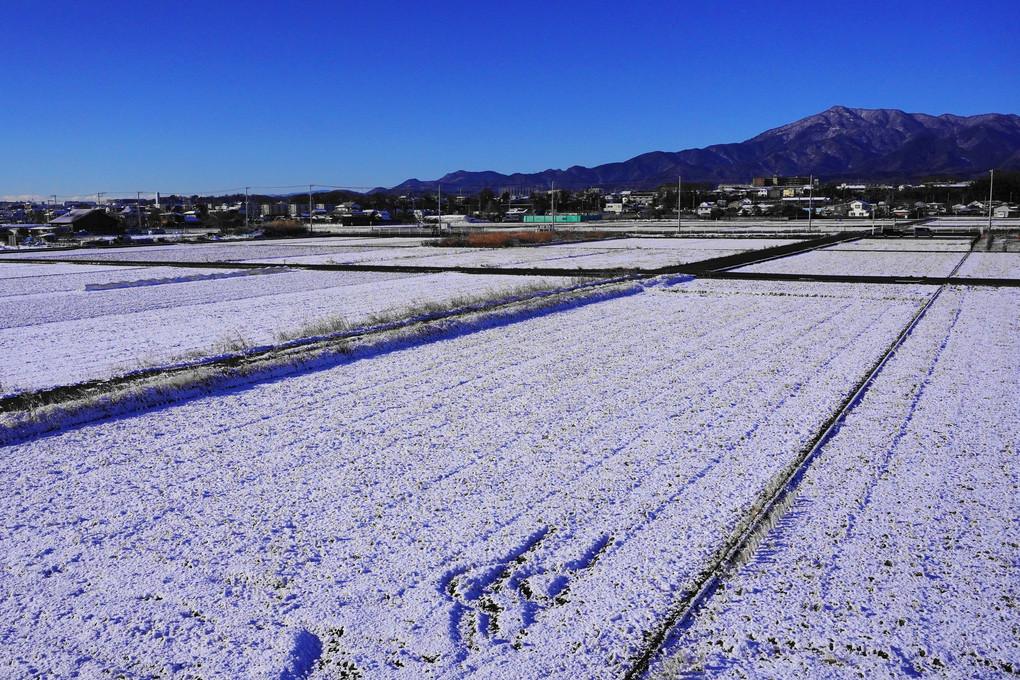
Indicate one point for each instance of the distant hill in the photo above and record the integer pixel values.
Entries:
(838, 144)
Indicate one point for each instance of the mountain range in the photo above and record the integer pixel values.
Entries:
(839, 144)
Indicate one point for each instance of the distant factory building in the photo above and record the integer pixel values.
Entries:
(777, 181)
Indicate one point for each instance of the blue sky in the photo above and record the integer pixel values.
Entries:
(208, 97)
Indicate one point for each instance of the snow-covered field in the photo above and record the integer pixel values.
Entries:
(523, 501)
(91, 322)
(63, 323)
(862, 263)
(230, 251)
(899, 557)
(518, 495)
(18, 279)
(567, 257)
(959, 245)
(649, 253)
(692, 244)
(975, 222)
(991, 266)
(641, 253)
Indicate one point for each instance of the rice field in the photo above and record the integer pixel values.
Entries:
(524, 493)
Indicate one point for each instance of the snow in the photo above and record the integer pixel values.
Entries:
(862, 263)
(564, 256)
(991, 266)
(225, 251)
(519, 495)
(181, 278)
(521, 501)
(906, 245)
(651, 253)
(674, 243)
(124, 322)
(898, 557)
(30, 279)
(63, 323)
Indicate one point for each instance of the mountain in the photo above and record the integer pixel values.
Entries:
(837, 144)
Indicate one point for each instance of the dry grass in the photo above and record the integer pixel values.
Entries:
(339, 324)
(331, 325)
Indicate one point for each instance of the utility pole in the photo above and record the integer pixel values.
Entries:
(991, 183)
(811, 201)
(552, 198)
(246, 208)
(310, 230)
(679, 190)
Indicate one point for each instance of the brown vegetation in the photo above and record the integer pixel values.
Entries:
(284, 228)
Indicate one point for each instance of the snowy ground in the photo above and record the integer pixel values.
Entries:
(899, 556)
(230, 251)
(640, 253)
(64, 323)
(863, 263)
(516, 497)
(522, 501)
(90, 322)
(648, 253)
(906, 244)
(991, 265)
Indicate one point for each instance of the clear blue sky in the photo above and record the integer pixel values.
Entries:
(197, 97)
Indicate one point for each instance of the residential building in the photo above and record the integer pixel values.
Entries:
(278, 209)
(94, 221)
(859, 209)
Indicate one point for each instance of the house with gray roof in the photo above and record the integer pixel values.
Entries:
(93, 221)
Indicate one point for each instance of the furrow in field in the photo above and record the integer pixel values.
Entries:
(899, 558)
